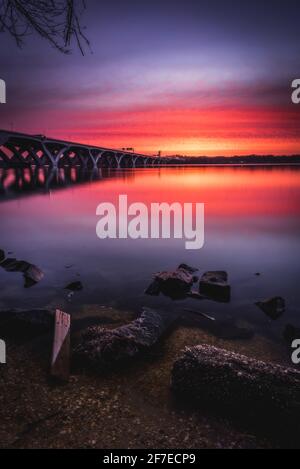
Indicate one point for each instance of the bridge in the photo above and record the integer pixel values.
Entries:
(18, 149)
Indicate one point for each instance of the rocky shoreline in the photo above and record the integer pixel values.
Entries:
(131, 407)
(140, 355)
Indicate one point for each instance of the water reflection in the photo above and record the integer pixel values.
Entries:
(19, 182)
(252, 224)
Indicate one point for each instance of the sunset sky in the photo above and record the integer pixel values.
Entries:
(184, 77)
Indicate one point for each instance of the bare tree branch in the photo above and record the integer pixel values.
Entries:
(57, 21)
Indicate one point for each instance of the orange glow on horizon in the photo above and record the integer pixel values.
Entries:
(211, 131)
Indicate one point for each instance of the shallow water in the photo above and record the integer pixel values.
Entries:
(252, 224)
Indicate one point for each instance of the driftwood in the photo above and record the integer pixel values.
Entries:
(102, 348)
(241, 386)
(60, 362)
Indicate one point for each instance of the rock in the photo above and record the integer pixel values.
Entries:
(101, 349)
(215, 286)
(153, 289)
(33, 275)
(188, 268)
(19, 324)
(35, 317)
(273, 307)
(10, 265)
(237, 385)
(175, 284)
(291, 333)
(2, 255)
(74, 286)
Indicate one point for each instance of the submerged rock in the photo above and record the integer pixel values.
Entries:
(102, 349)
(74, 286)
(272, 307)
(215, 286)
(238, 385)
(228, 331)
(176, 284)
(224, 330)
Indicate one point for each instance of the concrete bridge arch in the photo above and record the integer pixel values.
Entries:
(17, 149)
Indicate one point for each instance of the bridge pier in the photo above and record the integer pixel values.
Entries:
(54, 157)
(95, 158)
(134, 160)
(119, 159)
(84, 161)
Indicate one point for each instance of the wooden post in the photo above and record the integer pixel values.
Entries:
(60, 363)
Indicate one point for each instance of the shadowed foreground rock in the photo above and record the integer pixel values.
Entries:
(102, 349)
(39, 318)
(241, 386)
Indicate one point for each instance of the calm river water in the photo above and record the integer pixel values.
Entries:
(252, 224)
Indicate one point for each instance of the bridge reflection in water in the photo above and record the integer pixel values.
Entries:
(17, 149)
(18, 182)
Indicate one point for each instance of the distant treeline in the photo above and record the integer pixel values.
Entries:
(249, 159)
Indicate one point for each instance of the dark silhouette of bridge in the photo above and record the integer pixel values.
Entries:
(17, 149)
(19, 182)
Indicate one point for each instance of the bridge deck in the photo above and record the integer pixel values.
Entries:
(19, 149)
